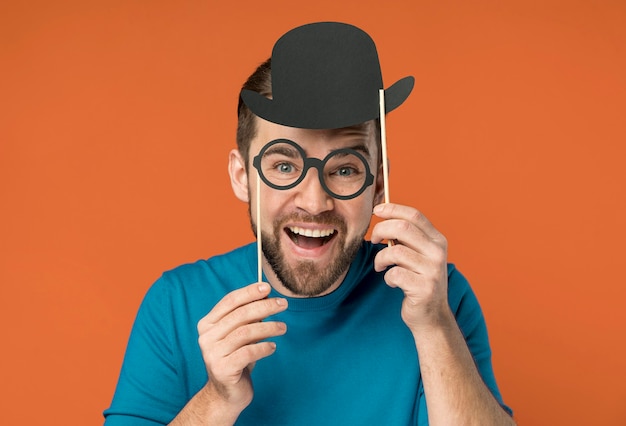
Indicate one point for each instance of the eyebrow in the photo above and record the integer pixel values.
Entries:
(287, 151)
(362, 148)
(361, 132)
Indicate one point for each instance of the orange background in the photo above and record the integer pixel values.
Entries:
(116, 118)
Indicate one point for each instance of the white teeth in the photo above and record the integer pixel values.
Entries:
(315, 233)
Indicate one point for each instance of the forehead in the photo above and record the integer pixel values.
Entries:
(315, 142)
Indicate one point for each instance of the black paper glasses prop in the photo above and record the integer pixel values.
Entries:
(344, 173)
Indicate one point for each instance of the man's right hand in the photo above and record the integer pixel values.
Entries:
(230, 338)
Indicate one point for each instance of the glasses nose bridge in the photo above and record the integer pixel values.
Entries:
(314, 163)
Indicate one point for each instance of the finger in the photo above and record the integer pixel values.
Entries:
(400, 255)
(402, 232)
(410, 214)
(417, 289)
(250, 354)
(250, 334)
(401, 277)
(229, 369)
(235, 299)
(251, 313)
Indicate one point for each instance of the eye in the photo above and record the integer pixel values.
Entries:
(285, 167)
(346, 171)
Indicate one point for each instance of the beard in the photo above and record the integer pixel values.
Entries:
(306, 278)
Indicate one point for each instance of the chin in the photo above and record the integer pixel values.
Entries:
(311, 276)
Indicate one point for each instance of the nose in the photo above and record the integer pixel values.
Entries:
(310, 195)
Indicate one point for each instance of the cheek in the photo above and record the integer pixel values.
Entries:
(358, 214)
(272, 203)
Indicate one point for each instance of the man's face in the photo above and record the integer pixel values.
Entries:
(310, 238)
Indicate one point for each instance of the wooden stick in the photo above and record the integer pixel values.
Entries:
(383, 144)
(259, 252)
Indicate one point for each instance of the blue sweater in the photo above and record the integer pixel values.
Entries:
(346, 359)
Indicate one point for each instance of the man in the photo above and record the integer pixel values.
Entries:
(340, 331)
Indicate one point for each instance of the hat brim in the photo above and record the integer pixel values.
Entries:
(286, 115)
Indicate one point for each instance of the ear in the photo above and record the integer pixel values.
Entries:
(379, 194)
(238, 175)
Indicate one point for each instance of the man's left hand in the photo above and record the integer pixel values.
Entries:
(417, 262)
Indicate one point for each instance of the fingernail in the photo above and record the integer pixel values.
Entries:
(281, 302)
(378, 209)
(263, 287)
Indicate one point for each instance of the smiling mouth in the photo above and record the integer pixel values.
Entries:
(310, 238)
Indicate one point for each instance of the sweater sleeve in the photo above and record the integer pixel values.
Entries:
(149, 390)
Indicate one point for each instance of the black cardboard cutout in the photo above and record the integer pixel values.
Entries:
(325, 75)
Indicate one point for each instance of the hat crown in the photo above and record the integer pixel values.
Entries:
(328, 74)
(324, 75)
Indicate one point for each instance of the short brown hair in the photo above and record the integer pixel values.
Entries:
(260, 81)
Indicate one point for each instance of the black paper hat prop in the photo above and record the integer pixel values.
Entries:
(325, 75)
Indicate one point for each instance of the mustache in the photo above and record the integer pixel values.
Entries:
(329, 218)
(325, 218)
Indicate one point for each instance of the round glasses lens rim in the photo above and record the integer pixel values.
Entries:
(259, 157)
(369, 178)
